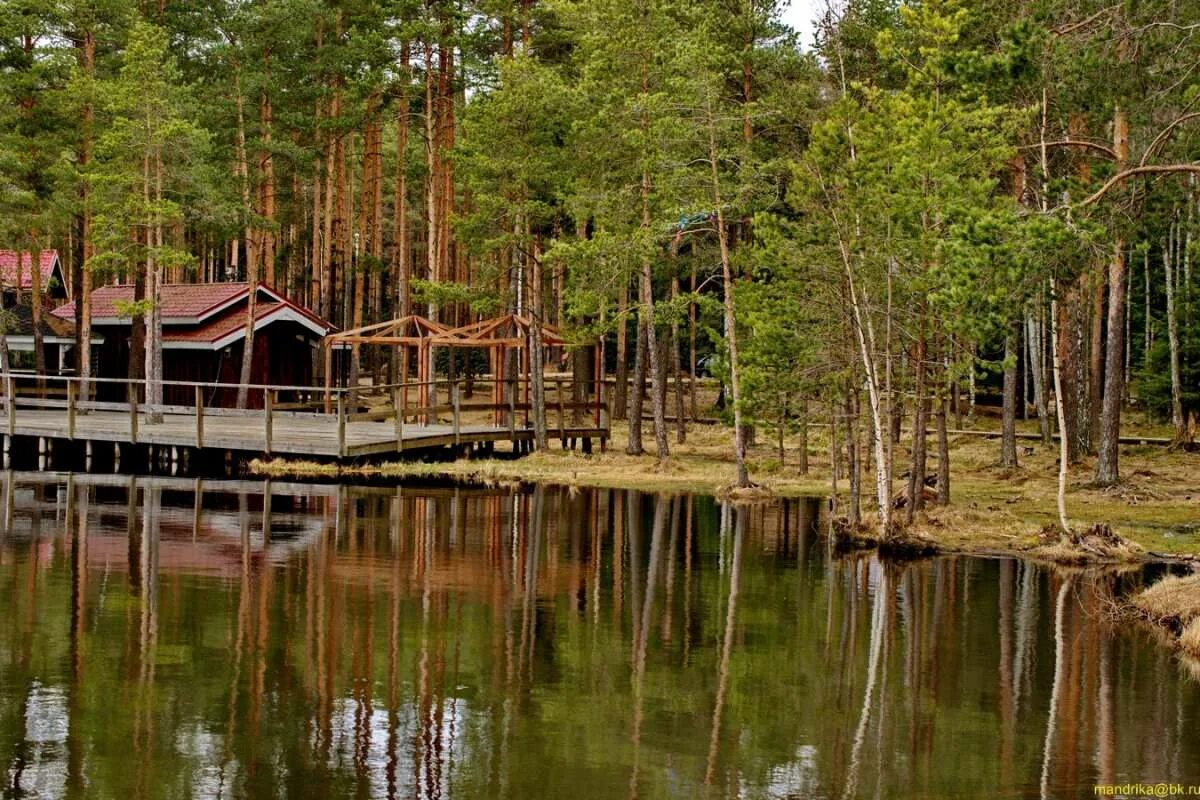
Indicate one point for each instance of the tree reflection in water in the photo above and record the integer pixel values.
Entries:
(167, 637)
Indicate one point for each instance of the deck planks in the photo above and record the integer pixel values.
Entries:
(294, 435)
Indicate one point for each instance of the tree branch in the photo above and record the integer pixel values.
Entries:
(1108, 151)
(1154, 169)
(1162, 136)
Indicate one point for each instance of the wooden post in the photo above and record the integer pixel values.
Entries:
(70, 410)
(199, 418)
(457, 411)
(398, 406)
(562, 430)
(602, 416)
(328, 373)
(133, 413)
(268, 420)
(512, 409)
(341, 424)
(11, 391)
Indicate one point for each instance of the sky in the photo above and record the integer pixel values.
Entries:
(800, 15)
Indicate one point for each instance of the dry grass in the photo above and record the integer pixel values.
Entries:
(1173, 604)
(1174, 600)
(1189, 640)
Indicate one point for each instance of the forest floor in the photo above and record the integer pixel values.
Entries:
(992, 510)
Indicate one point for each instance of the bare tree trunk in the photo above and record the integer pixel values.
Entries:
(916, 470)
(638, 390)
(854, 463)
(252, 251)
(35, 307)
(402, 255)
(154, 357)
(943, 476)
(739, 429)
(1107, 464)
(621, 389)
(1063, 444)
(1178, 423)
(677, 368)
(1035, 343)
(1008, 439)
(657, 382)
(83, 292)
(802, 445)
(536, 356)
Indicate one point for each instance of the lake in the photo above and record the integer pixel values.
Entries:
(183, 638)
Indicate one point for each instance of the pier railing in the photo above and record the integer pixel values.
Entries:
(498, 404)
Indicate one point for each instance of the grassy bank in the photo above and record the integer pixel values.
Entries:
(1158, 506)
(1174, 605)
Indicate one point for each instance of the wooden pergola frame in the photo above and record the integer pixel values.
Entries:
(416, 335)
(411, 335)
(510, 332)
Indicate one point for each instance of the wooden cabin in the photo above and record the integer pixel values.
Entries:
(18, 278)
(204, 329)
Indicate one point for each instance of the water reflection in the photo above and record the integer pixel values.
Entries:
(172, 637)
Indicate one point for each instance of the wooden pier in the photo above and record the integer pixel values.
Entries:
(48, 419)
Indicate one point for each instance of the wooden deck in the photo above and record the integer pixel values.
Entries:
(381, 425)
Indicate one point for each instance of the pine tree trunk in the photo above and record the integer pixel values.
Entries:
(1060, 410)
(1008, 439)
(731, 336)
(402, 253)
(35, 304)
(943, 437)
(536, 356)
(853, 460)
(1107, 464)
(916, 471)
(621, 389)
(657, 382)
(637, 391)
(1178, 423)
(83, 291)
(1035, 343)
(252, 250)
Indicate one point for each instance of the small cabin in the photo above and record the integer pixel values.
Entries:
(204, 331)
(16, 276)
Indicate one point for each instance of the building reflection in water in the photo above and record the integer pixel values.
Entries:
(172, 637)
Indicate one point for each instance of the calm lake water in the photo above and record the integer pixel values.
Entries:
(174, 638)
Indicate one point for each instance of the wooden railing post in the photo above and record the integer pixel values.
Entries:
(341, 424)
(602, 417)
(133, 413)
(199, 417)
(268, 420)
(10, 388)
(71, 410)
(512, 407)
(558, 390)
(398, 406)
(454, 402)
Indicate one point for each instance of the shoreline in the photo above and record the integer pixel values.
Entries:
(1157, 507)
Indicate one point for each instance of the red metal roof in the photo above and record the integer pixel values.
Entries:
(8, 267)
(180, 301)
(217, 328)
(199, 313)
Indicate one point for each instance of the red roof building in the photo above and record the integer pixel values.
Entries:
(53, 282)
(204, 328)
